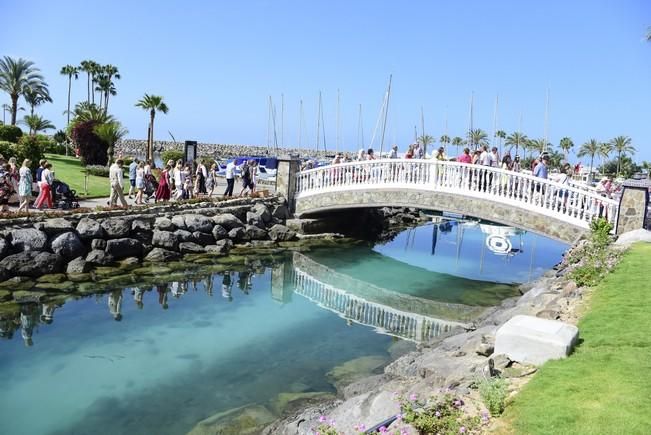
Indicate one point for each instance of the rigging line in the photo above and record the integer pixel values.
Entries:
(377, 123)
(269, 125)
(386, 113)
(282, 121)
(325, 150)
(360, 129)
(273, 115)
(300, 123)
(338, 120)
(318, 124)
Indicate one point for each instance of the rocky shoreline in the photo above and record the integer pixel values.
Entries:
(453, 362)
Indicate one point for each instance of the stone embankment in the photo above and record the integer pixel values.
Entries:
(76, 243)
(455, 361)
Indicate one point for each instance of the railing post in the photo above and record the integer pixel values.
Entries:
(286, 173)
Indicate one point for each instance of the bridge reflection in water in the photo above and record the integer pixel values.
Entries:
(387, 311)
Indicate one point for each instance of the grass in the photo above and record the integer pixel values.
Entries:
(605, 386)
(70, 171)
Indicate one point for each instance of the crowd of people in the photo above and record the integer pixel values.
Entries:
(178, 180)
(20, 184)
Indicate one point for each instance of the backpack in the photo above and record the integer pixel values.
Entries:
(246, 172)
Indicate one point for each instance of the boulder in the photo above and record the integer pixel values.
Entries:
(225, 244)
(117, 227)
(123, 248)
(89, 229)
(183, 235)
(280, 233)
(98, 244)
(4, 247)
(262, 211)
(164, 224)
(165, 239)
(161, 255)
(281, 212)
(142, 225)
(32, 263)
(254, 219)
(219, 232)
(190, 248)
(54, 226)
(99, 258)
(228, 221)
(254, 233)
(78, 265)
(220, 249)
(238, 235)
(179, 221)
(68, 245)
(28, 239)
(197, 222)
(203, 238)
(528, 339)
(630, 237)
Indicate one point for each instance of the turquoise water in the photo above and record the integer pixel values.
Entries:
(184, 351)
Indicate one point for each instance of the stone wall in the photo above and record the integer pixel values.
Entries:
(440, 201)
(76, 243)
(632, 209)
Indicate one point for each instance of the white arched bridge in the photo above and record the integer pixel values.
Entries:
(561, 211)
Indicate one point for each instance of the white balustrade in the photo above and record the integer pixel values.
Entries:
(575, 205)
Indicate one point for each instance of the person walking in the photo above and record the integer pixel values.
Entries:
(163, 192)
(117, 184)
(230, 178)
(24, 186)
(133, 167)
(201, 174)
(140, 182)
(211, 180)
(179, 180)
(45, 185)
(247, 180)
(6, 187)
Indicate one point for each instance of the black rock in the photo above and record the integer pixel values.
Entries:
(203, 238)
(98, 244)
(116, 228)
(219, 232)
(123, 248)
(161, 255)
(197, 222)
(89, 229)
(68, 245)
(165, 239)
(99, 258)
(28, 239)
(31, 263)
(78, 265)
(190, 248)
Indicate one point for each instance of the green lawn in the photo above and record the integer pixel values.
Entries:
(70, 171)
(605, 386)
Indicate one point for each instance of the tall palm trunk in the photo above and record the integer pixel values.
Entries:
(14, 108)
(619, 162)
(151, 139)
(69, 87)
(88, 87)
(591, 161)
(92, 89)
(106, 99)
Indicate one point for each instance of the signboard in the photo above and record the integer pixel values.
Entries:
(190, 151)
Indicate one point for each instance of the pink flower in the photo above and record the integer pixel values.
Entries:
(437, 413)
(462, 429)
(399, 416)
(413, 397)
(360, 427)
(382, 429)
(322, 419)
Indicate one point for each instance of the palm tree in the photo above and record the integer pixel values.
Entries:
(605, 148)
(477, 137)
(90, 68)
(106, 87)
(500, 134)
(15, 77)
(457, 141)
(566, 145)
(111, 72)
(622, 145)
(152, 103)
(648, 34)
(517, 140)
(425, 139)
(539, 145)
(445, 140)
(70, 71)
(37, 95)
(110, 133)
(85, 112)
(590, 148)
(36, 123)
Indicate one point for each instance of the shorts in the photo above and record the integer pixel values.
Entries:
(132, 181)
(247, 183)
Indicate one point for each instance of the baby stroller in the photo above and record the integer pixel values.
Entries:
(63, 196)
(150, 186)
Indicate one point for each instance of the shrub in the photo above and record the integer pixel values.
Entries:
(493, 394)
(55, 148)
(29, 148)
(593, 260)
(92, 150)
(171, 155)
(7, 149)
(10, 133)
(99, 170)
(441, 415)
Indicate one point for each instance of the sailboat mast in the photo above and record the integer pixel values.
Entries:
(282, 120)
(300, 122)
(318, 124)
(269, 125)
(422, 129)
(546, 138)
(360, 129)
(325, 148)
(472, 96)
(338, 119)
(386, 112)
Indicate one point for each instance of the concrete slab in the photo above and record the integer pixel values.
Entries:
(532, 340)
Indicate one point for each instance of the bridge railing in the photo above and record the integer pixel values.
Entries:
(562, 201)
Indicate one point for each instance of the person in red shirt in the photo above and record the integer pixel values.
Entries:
(465, 157)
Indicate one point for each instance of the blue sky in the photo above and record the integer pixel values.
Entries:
(217, 63)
